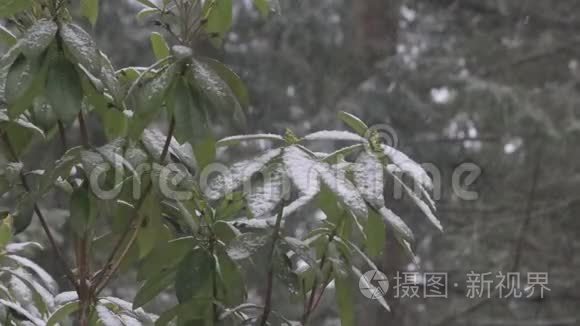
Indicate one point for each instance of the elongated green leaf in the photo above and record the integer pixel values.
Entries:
(61, 313)
(356, 124)
(376, 234)
(81, 47)
(147, 3)
(219, 17)
(193, 274)
(344, 298)
(153, 286)
(164, 256)
(336, 180)
(152, 226)
(38, 37)
(5, 231)
(232, 286)
(90, 9)
(20, 84)
(11, 7)
(146, 12)
(232, 79)
(216, 91)
(159, 45)
(64, 91)
(192, 124)
(80, 211)
(6, 37)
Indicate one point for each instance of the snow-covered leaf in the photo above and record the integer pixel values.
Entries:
(368, 177)
(65, 298)
(263, 197)
(46, 279)
(335, 179)
(233, 140)
(302, 170)
(395, 222)
(62, 312)
(38, 37)
(335, 135)
(408, 166)
(237, 174)
(19, 309)
(363, 280)
(107, 317)
(247, 244)
(82, 47)
(420, 203)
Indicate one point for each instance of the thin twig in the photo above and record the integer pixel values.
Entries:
(270, 280)
(84, 131)
(112, 266)
(43, 223)
(62, 132)
(310, 306)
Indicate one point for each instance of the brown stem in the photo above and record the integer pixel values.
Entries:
(43, 223)
(62, 132)
(84, 130)
(311, 303)
(112, 264)
(270, 280)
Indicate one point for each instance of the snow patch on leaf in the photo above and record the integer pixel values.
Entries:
(228, 181)
(394, 221)
(337, 182)
(408, 166)
(302, 170)
(335, 135)
(267, 193)
(369, 178)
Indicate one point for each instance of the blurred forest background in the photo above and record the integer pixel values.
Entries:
(490, 82)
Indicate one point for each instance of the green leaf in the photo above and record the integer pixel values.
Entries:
(159, 45)
(150, 99)
(61, 169)
(219, 18)
(232, 289)
(191, 124)
(6, 37)
(5, 231)
(147, 3)
(12, 7)
(356, 124)
(193, 309)
(90, 9)
(232, 79)
(193, 274)
(63, 89)
(344, 299)
(146, 12)
(115, 124)
(265, 7)
(153, 286)
(165, 255)
(81, 46)
(376, 234)
(38, 37)
(217, 92)
(22, 84)
(80, 211)
(152, 225)
(246, 245)
(61, 313)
